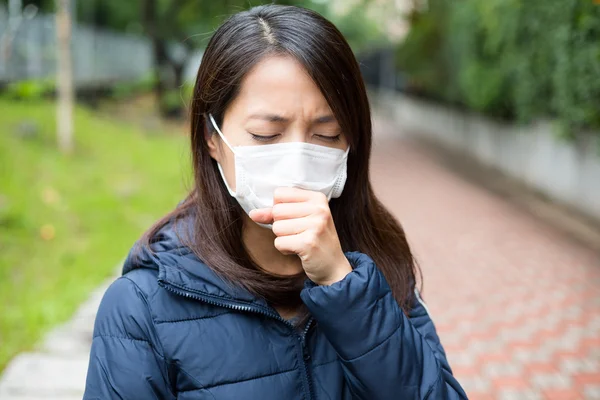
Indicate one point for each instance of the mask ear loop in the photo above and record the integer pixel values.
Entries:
(214, 124)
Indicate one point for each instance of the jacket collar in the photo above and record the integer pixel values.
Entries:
(178, 266)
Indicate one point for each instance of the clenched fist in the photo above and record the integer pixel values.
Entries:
(304, 226)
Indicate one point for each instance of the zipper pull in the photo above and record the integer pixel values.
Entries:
(305, 351)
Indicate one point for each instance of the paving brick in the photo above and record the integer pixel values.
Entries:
(465, 371)
(518, 394)
(553, 380)
(593, 342)
(494, 357)
(476, 384)
(591, 392)
(502, 369)
(587, 378)
(562, 394)
(486, 395)
(512, 382)
(573, 366)
(535, 368)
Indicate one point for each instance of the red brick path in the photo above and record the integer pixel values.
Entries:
(516, 302)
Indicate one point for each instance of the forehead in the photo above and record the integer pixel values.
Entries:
(280, 83)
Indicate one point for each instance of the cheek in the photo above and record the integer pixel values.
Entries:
(343, 143)
(227, 162)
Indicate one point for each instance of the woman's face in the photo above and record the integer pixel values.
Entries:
(278, 103)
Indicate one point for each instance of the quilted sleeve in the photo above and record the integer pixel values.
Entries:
(385, 355)
(126, 360)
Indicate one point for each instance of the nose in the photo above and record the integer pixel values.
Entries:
(297, 135)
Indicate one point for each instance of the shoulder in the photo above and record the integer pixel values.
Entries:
(421, 319)
(125, 311)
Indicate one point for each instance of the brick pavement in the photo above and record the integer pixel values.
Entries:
(516, 302)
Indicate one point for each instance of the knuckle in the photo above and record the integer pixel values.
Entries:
(277, 227)
(311, 242)
(323, 210)
(322, 214)
(279, 192)
(319, 225)
(276, 211)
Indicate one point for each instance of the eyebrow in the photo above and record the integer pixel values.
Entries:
(324, 119)
(269, 117)
(278, 118)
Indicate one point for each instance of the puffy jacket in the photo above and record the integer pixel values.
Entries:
(170, 328)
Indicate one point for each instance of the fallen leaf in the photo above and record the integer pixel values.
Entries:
(47, 232)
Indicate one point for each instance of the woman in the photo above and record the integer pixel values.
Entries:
(281, 276)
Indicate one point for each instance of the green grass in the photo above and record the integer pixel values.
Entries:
(67, 221)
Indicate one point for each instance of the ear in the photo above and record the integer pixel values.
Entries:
(211, 140)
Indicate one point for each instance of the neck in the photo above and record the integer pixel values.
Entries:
(260, 243)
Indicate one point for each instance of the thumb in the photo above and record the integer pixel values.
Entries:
(262, 215)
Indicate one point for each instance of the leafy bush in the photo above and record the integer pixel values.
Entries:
(124, 90)
(421, 54)
(172, 103)
(29, 90)
(522, 59)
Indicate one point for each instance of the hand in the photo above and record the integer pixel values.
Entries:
(304, 226)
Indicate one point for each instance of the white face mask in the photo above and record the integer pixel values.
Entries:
(260, 169)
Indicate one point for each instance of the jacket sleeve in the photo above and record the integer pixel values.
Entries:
(384, 354)
(125, 361)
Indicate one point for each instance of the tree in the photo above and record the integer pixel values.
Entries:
(64, 115)
(165, 28)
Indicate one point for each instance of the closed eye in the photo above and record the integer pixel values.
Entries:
(327, 138)
(261, 138)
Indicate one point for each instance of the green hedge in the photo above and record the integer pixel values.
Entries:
(29, 90)
(521, 59)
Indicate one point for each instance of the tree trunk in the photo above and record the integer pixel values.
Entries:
(64, 115)
(178, 73)
(159, 51)
(161, 66)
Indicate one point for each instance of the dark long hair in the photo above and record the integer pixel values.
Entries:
(362, 222)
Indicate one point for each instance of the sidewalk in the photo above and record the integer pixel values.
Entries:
(516, 302)
(57, 370)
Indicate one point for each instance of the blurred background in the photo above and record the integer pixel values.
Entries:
(487, 148)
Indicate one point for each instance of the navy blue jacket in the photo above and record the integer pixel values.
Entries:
(170, 328)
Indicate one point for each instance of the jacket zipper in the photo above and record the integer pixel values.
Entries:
(306, 358)
(185, 292)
